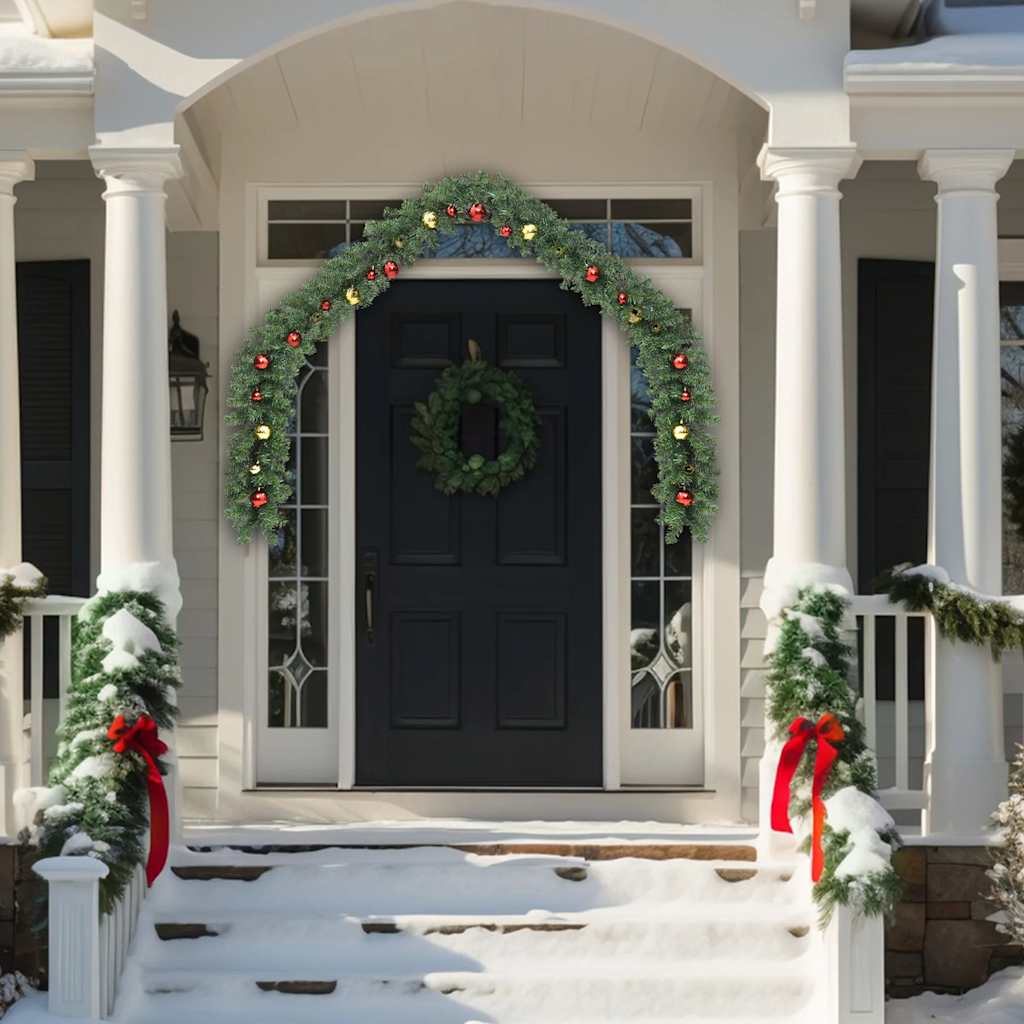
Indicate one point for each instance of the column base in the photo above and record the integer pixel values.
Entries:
(962, 794)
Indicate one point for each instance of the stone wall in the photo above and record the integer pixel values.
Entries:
(940, 940)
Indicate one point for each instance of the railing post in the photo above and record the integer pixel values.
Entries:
(74, 934)
(854, 961)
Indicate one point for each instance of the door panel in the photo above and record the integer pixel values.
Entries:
(484, 664)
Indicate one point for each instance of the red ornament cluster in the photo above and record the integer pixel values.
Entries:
(391, 270)
(259, 499)
(505, 231)
(261, 362)
(371, 274)
(326, 305)
(477, 212)
(294, 339)
(681, 361)
(684, 498)
(257, 395)
(622, 298)
(593, 273)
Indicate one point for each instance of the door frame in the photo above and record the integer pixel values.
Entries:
(688, 283)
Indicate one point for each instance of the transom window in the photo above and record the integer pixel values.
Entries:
(316, 229)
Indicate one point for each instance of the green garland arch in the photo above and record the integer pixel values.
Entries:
(262, 389)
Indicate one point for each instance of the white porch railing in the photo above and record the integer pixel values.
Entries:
(42, 714)
(895, 727)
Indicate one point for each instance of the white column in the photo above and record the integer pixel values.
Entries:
(810, 486)
(74, 934)
(965, 763)
(15, 166)
(135, 479)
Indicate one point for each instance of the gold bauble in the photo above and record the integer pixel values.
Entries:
(430, 220)
(262, 432)
(255, 469)
(530, 232)
(352, 296)
(656, 329)
(691, 468)
(681, 432)
(634, 316)
(399, 243)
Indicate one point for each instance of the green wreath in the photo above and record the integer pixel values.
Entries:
(262, 391)
(435, 429)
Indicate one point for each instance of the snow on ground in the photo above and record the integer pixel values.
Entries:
(999, 1001)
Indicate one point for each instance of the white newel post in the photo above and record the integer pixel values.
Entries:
(810, 493)
(965, 762)
(74, 934)
(15, 166)
(136, 515)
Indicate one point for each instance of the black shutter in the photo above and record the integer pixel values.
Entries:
(894, 359)
(53, 357)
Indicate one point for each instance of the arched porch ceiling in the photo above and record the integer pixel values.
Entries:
(464, 84)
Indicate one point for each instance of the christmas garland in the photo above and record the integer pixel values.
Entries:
(262, 389)
(17, 585)
(124, 667)
(435, 429)
(809, 671)
(959, 613)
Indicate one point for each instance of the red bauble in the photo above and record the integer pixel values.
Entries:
(477, 212)
(681, 361)
(294, 339)
(257, 395)
(684, 498)
(258, 499)
(371, 274)
(261, 362)
(505, 231)
(623, 298)
(685, 395)
(326, 305)
(593, 272)
(391, 270)
(451, 210)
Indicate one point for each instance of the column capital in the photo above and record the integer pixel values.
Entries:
(808, 169)
(965, 170)
(15, 165)
(136, 169)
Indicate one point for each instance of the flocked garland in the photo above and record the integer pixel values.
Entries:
(262, 390)
(435, 429)
(809, 676)
(959, 613)
(17, 585)
(124, 661)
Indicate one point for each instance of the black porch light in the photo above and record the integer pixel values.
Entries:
(188, 376)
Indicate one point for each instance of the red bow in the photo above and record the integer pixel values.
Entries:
(803, 730)
(141, 737)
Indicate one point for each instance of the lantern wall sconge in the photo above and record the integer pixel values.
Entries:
(188, 376)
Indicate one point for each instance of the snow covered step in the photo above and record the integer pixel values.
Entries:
(327, 943)
(697, 994)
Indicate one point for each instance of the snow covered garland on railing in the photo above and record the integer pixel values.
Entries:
(17, 585)
(261, 395)
(807, 609)
(959, 612)
(100, 802)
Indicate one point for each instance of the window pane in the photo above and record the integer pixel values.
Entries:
(372, 209)
(643, 470)
(644, 542)
(303, 241)
(312, 489)
(661, 241)
(1011, 311)
(313, 404)
(283, 548)
(314, 542)
(678, 617)
(639, 398)
(306, 209)
(679, 557)
(652, 209)
(579, 209)
(474, 241)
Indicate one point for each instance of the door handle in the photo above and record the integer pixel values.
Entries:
(371, 563)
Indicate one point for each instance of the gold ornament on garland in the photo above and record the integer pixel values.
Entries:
(352, 296)
(430, 220)
(681, 432)
(255, 469)
(634, 316)
(529, 232)
(262, 432)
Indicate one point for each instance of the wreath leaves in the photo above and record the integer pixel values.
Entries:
(435, 430)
